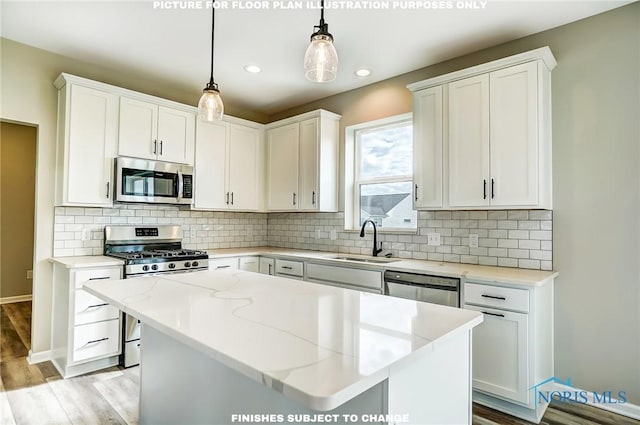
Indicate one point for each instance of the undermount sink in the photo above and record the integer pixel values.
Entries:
(369, 260)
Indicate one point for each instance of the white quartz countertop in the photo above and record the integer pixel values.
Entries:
(476, 273)
(87, 261)
(318, 345)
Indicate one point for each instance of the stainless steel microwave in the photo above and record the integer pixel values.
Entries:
(158, 182)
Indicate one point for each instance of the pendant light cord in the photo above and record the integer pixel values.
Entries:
(213, 23)
(321, 14)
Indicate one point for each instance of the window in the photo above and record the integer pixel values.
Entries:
(381, 180)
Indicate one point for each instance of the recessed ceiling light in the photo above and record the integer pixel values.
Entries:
(254, 69)
(363, 72)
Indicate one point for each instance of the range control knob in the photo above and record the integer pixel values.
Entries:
(194, 264)
(154, 267)
(187, 264)
(145, 268)
(172, 266)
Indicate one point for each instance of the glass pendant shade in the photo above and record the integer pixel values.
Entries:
(210, 106)
(321, 59)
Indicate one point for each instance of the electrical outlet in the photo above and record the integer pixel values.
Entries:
(473, 240)
(317, 234)
(29, 274)
(433, 239)
(249, 231)
(333, 234)
(86, 234)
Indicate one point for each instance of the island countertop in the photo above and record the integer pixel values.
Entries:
(318, 345)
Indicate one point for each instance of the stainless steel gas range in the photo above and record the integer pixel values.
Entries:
(148, 250)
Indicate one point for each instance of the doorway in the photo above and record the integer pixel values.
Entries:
(17, 207)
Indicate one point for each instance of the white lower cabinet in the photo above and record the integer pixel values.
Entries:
(267, 266)
(345, 277)
(512, 347)
(86, 331)
(250, 264)
(289, 268)
(223, 263)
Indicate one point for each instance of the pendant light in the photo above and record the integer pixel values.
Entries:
(210, 106)
(321, 58)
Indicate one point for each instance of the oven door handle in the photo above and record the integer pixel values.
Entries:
(180, 185)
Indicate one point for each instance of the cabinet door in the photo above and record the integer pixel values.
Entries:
(500, 354)
(244, 186)
(309, 156)
(138, 135)
(469, 142)
(91, 131)
(282, 174)
(210, 168)
(267, 265)
(514, 135)
(427, 148)
(175, 135)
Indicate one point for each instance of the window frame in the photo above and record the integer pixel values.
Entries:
(352, 171)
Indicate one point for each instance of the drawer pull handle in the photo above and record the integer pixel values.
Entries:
(287, 267)
(493, 297)
(100, 278)
(95, 341)
(493, 314)
(96, 306)
(222, 267)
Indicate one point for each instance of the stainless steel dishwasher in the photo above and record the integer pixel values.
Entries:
(422, 287)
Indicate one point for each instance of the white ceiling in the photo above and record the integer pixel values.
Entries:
(174, 44)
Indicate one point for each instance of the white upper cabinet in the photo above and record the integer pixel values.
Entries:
(427, 148)
(245, 168)
(282, 168)
(497, 139)
(302, 163)
(228, 167)
(86, 146)
(210, 180)
(469, 142)
(514, 135)
(151, 131)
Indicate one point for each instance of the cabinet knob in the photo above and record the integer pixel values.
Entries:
(294, 198)
(484, 189)
(231, 198)
(160, 147)
(313, 197)
(107, 194)
(415, 192)
(155, 147)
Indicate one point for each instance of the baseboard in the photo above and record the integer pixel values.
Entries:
(16, 299)
(624, 409)
(39, 357)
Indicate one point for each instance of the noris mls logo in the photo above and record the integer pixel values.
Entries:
(569, 394)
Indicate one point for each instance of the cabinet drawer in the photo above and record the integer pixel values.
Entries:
(288, 267)
(223, 263)
(96, 340)
(89, 308)
(250, 264)
(83, 276)
(497, 297)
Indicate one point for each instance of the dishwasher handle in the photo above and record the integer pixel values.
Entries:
(422, 285)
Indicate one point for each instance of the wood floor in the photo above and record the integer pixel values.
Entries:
(37, 395)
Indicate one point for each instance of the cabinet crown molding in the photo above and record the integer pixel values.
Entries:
(542, 54)
(321, 113)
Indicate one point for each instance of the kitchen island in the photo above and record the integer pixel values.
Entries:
(228, 346)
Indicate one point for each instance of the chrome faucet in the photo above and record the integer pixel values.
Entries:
(376, 250)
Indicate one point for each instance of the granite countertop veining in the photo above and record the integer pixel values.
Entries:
(318, 345)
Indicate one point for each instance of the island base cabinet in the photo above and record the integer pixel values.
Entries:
(180, 384)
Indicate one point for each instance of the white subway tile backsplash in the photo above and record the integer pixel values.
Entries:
(506, 238)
